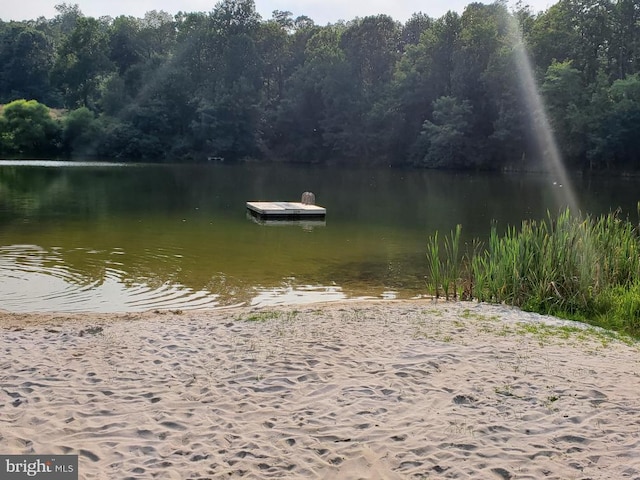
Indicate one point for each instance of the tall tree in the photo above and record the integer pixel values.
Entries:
(304, 128)
(422, 75)
(157, 34)
(622, 125)
(485, 30)
(413, 29)
(577, 30)
(25, 60)
(228, 115)
(625, 38)
(371, 47)
(566, 99)
(80, 133)
(83, 62)
(125, 43)
(446, 139)
(67, 17)
(233, 17)
(512, 142)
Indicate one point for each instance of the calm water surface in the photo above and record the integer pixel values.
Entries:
(117, 238)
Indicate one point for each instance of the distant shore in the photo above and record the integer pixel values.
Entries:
(376, 390)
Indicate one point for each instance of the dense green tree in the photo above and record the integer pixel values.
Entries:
(67, 18)
(123, 141)
(197, 50)
(621, 126)
(625, 38)
(80, 133)
(233, 17)
(26, 58)
(422, 75)
(485, 30)
(511, 142)
(273, 44)
(446, 139)
(284, 19)
(157, 34)
(228, 83)
(577, 30)
(366, 53)
(125, 43)
(371, 47)
(566, 100)
(598, 154)
(593, 18)
(413, 29)
(226, 115)
(307, 114)
(28, 129)
(83, 62)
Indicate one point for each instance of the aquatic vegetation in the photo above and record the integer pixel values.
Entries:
(444, 273)
(573, 267)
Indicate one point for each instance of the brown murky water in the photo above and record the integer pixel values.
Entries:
(117, 237)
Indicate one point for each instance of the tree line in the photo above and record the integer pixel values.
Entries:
(448, 92)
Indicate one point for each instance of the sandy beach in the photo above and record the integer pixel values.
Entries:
(362, 390)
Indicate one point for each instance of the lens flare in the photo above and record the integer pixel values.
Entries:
(543, 132)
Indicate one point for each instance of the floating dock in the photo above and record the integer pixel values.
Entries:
(306, 223)
(286, 210)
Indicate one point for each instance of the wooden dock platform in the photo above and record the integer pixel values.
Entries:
(286, 210)
(306, 223)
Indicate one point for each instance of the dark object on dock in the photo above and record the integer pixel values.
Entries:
(308, 198)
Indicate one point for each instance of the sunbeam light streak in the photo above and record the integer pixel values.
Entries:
(564, 193)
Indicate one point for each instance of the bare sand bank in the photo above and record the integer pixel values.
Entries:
(375, 390)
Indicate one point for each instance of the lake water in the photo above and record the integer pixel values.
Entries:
(123, 238)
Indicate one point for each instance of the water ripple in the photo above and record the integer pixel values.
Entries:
(33, 279)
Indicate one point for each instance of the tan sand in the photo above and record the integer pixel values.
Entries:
(376, 390)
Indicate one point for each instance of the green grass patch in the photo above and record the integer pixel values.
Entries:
(467, 314)
(267, 315)
(545, 333)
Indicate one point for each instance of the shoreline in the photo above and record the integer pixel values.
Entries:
(375, 389)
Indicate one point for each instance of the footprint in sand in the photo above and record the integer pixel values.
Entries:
(463, 400)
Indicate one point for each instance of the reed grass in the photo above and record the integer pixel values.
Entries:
(444, 270)
(585, 268)
(434, 265)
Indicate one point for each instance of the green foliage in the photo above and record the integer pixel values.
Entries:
(618, 308)
(566, 101)
(26, 57)
(445, 139)
(618, 132)
(235, 16)
(444, 265)
(437, 93)
(81, 62)
(434, 264)
(263, 316)
(124, 141)
(80, 132)
(28, 129)
(579, 268)
(125, 43)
